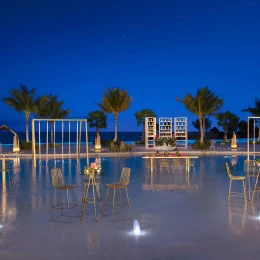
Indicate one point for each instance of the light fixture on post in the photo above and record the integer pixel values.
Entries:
(97, 143)
(16, 146)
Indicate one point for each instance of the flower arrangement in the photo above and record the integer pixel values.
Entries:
(166, 154)
(92, 169)
(160, 141)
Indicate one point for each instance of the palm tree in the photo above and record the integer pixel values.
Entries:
(140, 118)
(22, 100)
(255, 111)
(114, 101)
(97, 119)
(228, 121)
(50, 108)
(210, 104)
(203, 104)
(196, 124)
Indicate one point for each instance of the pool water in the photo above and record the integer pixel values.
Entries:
(181, 216)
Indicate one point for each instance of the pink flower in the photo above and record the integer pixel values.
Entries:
(93, 165)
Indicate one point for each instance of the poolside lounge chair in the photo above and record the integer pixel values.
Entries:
(122, 184)
(59, 185)
(235, 178)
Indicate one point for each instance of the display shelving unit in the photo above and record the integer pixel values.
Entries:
(165, 127)
(150, 132)
(181, 131)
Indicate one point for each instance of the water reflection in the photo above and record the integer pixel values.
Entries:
(237, 214)
(167, 181)
(8, 208)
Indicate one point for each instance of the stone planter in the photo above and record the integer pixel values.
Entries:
(165, 148)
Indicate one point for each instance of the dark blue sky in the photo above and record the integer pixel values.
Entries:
(156, 50)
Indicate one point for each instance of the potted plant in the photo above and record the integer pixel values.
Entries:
(166, 142)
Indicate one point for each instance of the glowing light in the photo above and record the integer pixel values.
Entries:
(1, 226)
(136, 227)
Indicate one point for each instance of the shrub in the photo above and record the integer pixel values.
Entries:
(51, 145)
(199, 146)
(119, 147)
(25, 145)
(140, 142)
(160, 141)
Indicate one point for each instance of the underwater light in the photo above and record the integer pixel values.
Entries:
(136, 228)
(1, 226)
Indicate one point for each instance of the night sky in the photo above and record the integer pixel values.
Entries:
(156, 50)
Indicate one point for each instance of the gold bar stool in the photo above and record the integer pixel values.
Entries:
(235, 178)
(58, 183)
(122, 184)
(96, 195)
(164, 164)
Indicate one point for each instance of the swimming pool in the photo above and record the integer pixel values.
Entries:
(176, 222)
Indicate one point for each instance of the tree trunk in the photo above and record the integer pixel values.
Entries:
(143, 134)
(225, 135)
(27, 127)
(201, 131)
(258, 130)
(51, 133)
(96, 131)
(203, 126)
(115, 118)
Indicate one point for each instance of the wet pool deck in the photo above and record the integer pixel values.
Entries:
(139, 150)
(187, 217)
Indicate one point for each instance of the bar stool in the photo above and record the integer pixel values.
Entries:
(235, 178)
(91, 181)
(122, 184)
(59, 185)
(164, 164)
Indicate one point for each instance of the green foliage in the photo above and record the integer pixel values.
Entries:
(196, 124)
(228, 121)
(201, 146)
(160, 141)
(49, 107)
(120, 147)
(97, 119)
(141, 114)
(254, 142)
(140, 142)
(105, 143)
(22, 100)
(114, 101)
(27, 146)
(51, 145)
(204, 103)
